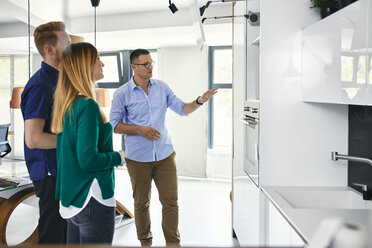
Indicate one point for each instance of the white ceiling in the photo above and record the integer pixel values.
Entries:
(216, 35)
(4, 18)
(121, 24)
(83, 8)
(79, 8)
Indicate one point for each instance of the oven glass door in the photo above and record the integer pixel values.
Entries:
(251, 164)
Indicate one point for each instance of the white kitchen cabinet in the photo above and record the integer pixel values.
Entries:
(245, 208)
(279, 232)
(336, 57)
(246, 195)
(256, 221)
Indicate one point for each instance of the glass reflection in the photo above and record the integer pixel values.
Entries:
(347, 66)
(354, 47)
(361, 71)
(370, 71)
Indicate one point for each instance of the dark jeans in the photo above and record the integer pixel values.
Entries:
(94, 224)
(52, 227)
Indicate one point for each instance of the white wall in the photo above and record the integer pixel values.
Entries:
(185, 70)
(296, 137)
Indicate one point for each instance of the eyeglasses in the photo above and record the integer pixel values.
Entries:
(148, 64)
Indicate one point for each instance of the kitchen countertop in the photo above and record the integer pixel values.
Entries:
(306, 220)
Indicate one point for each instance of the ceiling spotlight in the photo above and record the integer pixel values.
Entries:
(172, 7)
(204, 7)
(94, 3)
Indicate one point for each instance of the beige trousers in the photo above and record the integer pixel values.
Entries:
(164, 174)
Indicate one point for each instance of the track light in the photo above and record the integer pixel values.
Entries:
(204, 7)
(172, 7)
(94, 3)
(253, 18)
(221, 17)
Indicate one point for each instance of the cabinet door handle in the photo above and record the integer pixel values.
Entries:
(250, 121)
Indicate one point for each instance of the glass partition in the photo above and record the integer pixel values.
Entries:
(14, 66)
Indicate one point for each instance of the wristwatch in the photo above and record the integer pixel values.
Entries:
(197, 102)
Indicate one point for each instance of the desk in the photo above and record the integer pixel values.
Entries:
(10, 198)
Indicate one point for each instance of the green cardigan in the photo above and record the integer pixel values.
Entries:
(84, 152)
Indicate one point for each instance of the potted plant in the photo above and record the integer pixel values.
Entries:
(327, 7)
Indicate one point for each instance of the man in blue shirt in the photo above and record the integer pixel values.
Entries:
(138, 111)
(40, 143)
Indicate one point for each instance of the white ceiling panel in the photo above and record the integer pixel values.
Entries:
(79, 8)
(7, 19)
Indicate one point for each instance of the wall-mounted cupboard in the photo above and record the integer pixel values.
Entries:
(336, 57)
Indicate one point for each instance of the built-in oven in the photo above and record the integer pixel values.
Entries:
(251, 120)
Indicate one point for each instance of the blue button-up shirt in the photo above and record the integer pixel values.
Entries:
(132, 106)
(37, 102)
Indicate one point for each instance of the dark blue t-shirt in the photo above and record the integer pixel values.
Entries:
(37, 102)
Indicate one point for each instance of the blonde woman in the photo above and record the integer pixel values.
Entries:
(85, 177)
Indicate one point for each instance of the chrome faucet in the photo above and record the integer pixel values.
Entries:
(336, 156)
(367, 194)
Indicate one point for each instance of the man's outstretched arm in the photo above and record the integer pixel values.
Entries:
(190, 107)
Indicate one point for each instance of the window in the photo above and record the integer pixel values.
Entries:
(13, 72)
(5, 82)
(20, 70)
(5, 72)
(220, 107)
(112, 71)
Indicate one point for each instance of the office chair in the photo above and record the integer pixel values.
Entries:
(4, 143)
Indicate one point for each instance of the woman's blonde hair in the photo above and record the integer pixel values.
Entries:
(75, 78)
